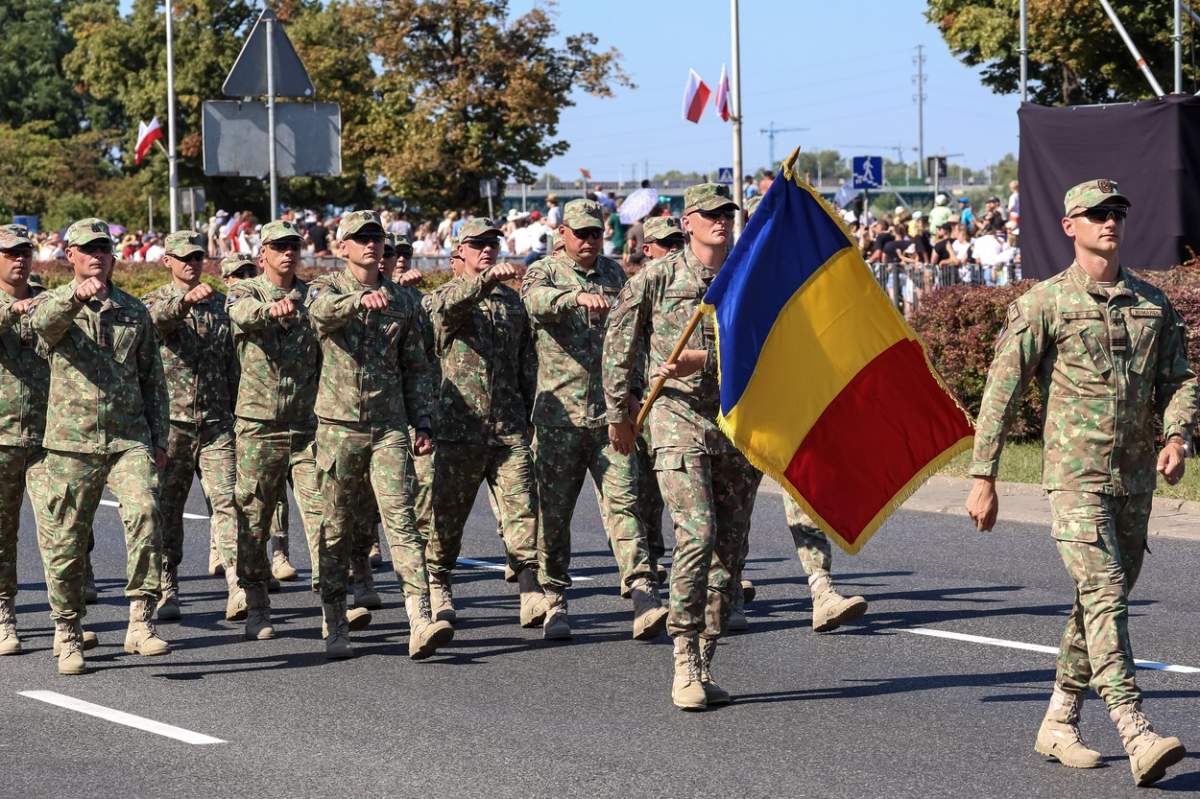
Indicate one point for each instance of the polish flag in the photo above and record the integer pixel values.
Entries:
(695, 96)
(147, 135)
(586, 173)
(721, 98)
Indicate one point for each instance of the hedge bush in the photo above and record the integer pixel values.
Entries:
(960, 324)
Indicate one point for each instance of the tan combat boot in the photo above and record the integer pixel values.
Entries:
(258, 615)
(748, 592)
(375, 555)
(90, 594)
(1059, 736)
(556, 626)
(687, 691)
(337, 629)
(533, 599)
(10, 644)
(216, 566)
(713, 693)
(363, 584)
(168, 605)
(356, 619)
(281, 568)
(141, 638)
(1150, 754)
(649, 616)
(88, 640)
(424, 634)
(830, 609)
(441, 598)
(737, 621)
(68, 639)
(235, 600)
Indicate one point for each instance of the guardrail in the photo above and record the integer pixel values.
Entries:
(905, 283)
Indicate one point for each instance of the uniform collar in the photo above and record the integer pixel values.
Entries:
(696, 265)
(1086, 282)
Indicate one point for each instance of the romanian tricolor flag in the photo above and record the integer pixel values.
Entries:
(824, 386)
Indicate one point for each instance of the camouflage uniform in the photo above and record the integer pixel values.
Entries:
(279, 360)
(568, 411)
(24, 385)
(374, 382)
(110, 412)
(709, 487)
(196, 347)
(488, 374)
(1106, 359)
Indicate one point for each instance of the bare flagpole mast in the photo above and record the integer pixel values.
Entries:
(735, 109)
(172, 165)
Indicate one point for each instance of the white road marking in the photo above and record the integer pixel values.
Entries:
(1050, 650)
(121, 717)
(499, 567)
(113, 504)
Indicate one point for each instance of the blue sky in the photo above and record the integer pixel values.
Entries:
(842, 68)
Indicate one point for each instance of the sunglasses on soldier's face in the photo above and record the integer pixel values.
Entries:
(96, 248)
(285, 246)
(720, 213)
(194, 258)
(366, 239)
(1102, 214)
(588, 232)
(24, 251)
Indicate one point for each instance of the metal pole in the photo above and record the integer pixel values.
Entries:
(920, 112)
(491, 211)
(735, 107)
(1023, 49)
(1137, 56)
(1178, 37)
(192, 203)
(271, 117)
(150, 205)
(524, 196)
(172, 166)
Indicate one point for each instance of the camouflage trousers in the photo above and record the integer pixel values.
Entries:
(269, 456)
(209, 452)
(812, 545)
(422, 470)
(18, 466)
(649, 501)
(563, 456)
(711, 498)
(458, 470)
(65, 495)
(1102, 540)
(356, 461)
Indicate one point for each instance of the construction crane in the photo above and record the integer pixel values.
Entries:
(770, 132)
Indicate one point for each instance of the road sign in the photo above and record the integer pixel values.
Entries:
(725, 175)
(868, 171)
(309, 138)
(248, 77)
(191, 200)
(935, 166)
(488, 187)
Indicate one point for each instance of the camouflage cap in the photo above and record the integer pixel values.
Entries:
(403, 246)
(280, 229)
(658, 228)
(478, 227)
(87, 230)
(355, 221)
(13, 236)
(706, 197)
(1091, 193)
(239, 260)
(752, 205)
(583, 214)
(183, 243)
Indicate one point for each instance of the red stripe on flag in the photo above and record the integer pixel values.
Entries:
(885, 428)
(696, 106)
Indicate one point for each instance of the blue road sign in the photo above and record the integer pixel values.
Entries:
(868, 171)
(725, 175)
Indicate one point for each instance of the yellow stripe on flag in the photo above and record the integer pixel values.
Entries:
(835, 324)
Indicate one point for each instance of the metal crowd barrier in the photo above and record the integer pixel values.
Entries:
(905, 284)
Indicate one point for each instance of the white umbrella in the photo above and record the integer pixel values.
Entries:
(637, 205)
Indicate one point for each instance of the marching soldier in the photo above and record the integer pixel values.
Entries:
(1109, 353)
(110, 429)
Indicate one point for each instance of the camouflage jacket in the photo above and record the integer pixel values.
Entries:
(279, 359)
(568, 342)
(196, 345)
(1106, 365)
(24, 378)
(489, 371)
(651, 314)
(373, 367)
(107, 388)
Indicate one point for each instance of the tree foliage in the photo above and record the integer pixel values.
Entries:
(1075, 53)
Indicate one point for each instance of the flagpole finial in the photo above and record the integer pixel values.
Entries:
(789, 163)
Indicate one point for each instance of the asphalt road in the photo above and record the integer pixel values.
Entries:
(872, 710)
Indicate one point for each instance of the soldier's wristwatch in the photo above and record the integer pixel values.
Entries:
(1184, 442)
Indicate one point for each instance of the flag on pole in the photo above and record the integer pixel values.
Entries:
(695, 95)
(824, 386)
(721, 98)
(147, 135)
(586, 173)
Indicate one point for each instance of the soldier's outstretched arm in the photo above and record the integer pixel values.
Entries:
(543, 300)
(247, 311)
(451, 304)
(55, 314)
(167, 309)
(331, 309)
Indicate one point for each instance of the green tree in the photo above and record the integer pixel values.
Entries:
(1075, 54)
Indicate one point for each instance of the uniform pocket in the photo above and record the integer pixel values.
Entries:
(666, 460)
(1143, 347)
(124, 337)
(1083, 532)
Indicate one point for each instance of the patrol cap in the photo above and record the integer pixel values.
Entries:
(707, 197)
(583, 214)
(279, 230)
(752, 205)
(13, 236)
(658, 228)
(1091, 193)
(399, 244)
(479, 227)
(182, 243)
(86, 231)
(232, 263)
(355, 221)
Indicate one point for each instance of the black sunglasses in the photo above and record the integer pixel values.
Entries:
(1101, 215)
(588, 233)
(96, 248)
(482, 244)
(720, 213)
(194, 258)
(366, 238)
(22, 251)
(285, 245)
